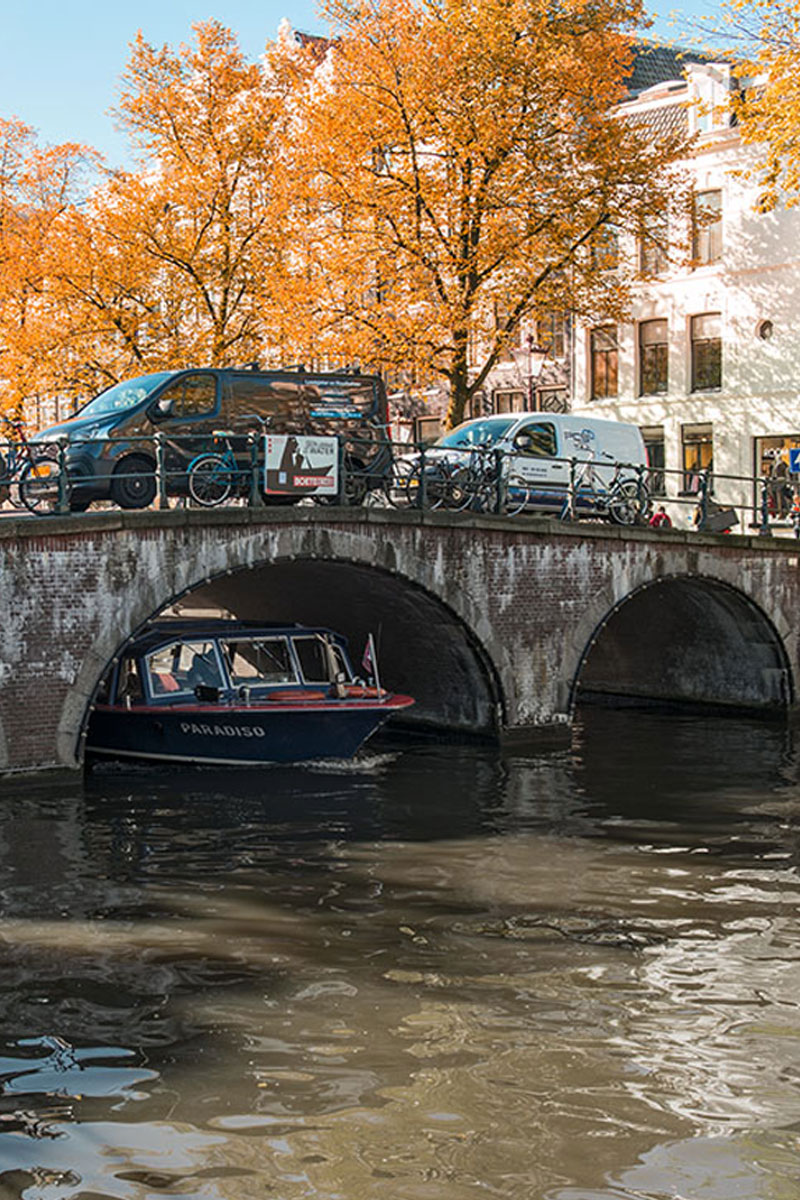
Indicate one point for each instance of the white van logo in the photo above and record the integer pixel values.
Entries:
(582, 438)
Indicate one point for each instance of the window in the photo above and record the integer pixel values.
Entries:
(182, 667)
(654, 248)
(511, 339)
(706, 332)
(698, 454)
(551, 335)
(191, 396)
(653, 438)
(553, 400)
(604, 248)
(320, 660)
(604, 361)
(506, 402)
(258, 662)
(536, 441)
(653, 358)
(707, 228)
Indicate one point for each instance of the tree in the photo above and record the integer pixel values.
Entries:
(766, 35)
(37, 186)
(460, 157)
(205, 206)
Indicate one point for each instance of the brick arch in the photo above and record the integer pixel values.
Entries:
(686, 639)
(426, 647)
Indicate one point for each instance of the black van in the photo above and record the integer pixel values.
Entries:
(111, 454)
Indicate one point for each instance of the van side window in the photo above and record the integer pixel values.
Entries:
(537, 441)
(267, 398)
(191, 396)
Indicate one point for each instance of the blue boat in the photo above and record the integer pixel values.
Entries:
(236, 693)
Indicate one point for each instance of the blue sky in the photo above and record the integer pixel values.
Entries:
(60, 63)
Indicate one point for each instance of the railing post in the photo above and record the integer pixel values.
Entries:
(701, 524)
(569, 510)
(255, 499)
(423, 483)
(63, 481)
(500, 481)
(763, 528)
(161, 473)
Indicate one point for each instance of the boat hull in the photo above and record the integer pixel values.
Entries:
(220, 734)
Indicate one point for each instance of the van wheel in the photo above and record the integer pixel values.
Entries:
(134, 482)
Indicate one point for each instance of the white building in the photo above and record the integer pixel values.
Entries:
(709, 365)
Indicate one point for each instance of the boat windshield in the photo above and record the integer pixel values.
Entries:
(181, 666)
(478, 433)
(321, 660)
(254, 661)
(125, 395)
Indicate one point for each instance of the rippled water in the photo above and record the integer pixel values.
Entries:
(438, 973)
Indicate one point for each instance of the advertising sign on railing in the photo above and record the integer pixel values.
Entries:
(300, 466)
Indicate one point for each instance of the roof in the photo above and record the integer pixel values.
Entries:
(654, 63)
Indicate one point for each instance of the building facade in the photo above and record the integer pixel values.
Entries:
(709, 364)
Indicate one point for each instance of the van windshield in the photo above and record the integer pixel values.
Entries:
(125, 395)
(478, 433)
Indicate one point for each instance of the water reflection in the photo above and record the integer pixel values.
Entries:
(435, 972)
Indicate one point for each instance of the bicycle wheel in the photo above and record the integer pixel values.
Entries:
(517, 495)
(435, 490)
(210, 480)
(463, 490)
(628, 502)
(38, 486)
(396, 487)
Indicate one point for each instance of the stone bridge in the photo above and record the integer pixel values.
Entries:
(497, 626)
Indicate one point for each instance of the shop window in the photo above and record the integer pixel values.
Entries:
(653, 358)
(653, 438)
(604, 362)
(777, 459)
(698, 455)
(706, 334)
(707, 227)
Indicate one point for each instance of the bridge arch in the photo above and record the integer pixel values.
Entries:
(425, 648)
(692, 640)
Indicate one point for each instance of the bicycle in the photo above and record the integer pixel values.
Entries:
(622, 500)
(478, 484)
(28, 478)
(213, 476)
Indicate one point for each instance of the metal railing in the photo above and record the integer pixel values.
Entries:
(61, 477)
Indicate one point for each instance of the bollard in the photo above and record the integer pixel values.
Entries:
(256, 500)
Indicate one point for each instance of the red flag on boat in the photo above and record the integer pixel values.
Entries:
(368, 657)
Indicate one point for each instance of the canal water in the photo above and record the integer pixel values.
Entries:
(439, 973)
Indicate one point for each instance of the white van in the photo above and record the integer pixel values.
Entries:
(546, 450)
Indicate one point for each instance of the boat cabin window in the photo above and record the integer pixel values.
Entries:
(259, 660)
(320, 660)
(182, 666)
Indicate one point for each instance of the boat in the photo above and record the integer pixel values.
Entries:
(227, 692)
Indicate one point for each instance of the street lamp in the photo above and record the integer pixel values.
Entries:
(531, 356)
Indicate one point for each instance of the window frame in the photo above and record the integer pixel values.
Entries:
(605, 355)
(656, 351)
(700, 348)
